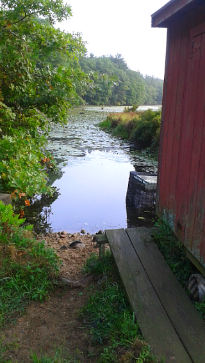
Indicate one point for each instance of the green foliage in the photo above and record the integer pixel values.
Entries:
(20, 167)
(38, 75)
(56, 359)
(27, 268)
(7, 216)
(108, 314)
(146, 127)
(142, 127)
(131, 109)
(200, 306)
(175, 255)
(4, 348)
(122, 86)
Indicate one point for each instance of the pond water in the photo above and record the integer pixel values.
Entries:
(93, 179)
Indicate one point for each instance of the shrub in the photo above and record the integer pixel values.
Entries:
(145, 131)
(141, 127)
(27, 268)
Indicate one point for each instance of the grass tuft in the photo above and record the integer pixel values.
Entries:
(109, 319)
(175, 255)
(28, 268)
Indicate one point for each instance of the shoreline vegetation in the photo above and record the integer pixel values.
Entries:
(141, 128)
(30, 271)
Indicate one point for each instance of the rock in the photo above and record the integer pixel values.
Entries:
(100, 232)
(82, 283)
(63, 234)
(77, 244)
(5, 198)
(64, 247)
(83, 231)
(196, 286)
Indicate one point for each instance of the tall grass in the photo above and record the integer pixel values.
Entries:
(27, 268)
(143, 128)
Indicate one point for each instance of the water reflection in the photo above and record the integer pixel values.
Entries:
(92, 194)
(94, 177)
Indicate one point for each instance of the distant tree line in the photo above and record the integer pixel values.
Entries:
(113, 83)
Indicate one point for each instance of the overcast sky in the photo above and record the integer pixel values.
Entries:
(124, 27)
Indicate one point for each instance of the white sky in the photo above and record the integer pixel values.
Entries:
(124, 27)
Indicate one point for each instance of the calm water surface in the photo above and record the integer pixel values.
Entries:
(94, 176)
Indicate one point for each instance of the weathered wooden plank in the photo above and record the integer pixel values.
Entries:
(163, 181)
(176, 120)
(186, 139)
(184, 317)
(165, 91)
(160, 17)
(197, 182)
(196, 119)
(171, 124)
(101, 238)
(153, 320)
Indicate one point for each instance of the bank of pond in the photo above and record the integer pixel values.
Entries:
(141, 127)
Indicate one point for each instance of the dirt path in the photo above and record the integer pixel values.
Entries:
(55, 322)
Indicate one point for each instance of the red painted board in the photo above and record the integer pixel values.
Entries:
(172, 124)
(184, 169)
(173, 202)
(165, 134)
(194, 233)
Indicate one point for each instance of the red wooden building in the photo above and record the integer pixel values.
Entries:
(181, 179)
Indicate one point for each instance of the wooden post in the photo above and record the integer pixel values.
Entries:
(101, 240)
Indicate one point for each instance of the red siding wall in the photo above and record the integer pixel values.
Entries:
(181, 181)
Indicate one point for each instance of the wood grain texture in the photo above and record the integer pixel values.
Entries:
(163, 187)
(101, 238)
(183, 315)
(181, 177)
(153, 320)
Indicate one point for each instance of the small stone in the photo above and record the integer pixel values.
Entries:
(62, 236)
(83, 231)
(77, 244)
(64, 233)
(63, 247)
(100, 232)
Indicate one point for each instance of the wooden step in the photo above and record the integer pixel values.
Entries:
(167, 318)
(185, 319)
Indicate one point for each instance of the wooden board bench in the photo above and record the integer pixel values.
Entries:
(167, 318)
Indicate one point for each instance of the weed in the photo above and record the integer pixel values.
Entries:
(27, 267)
(142, 127)
(97, 267)
(175, 255)
(4, 348)
(107, 314)
(57, 358)
(133, 108)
